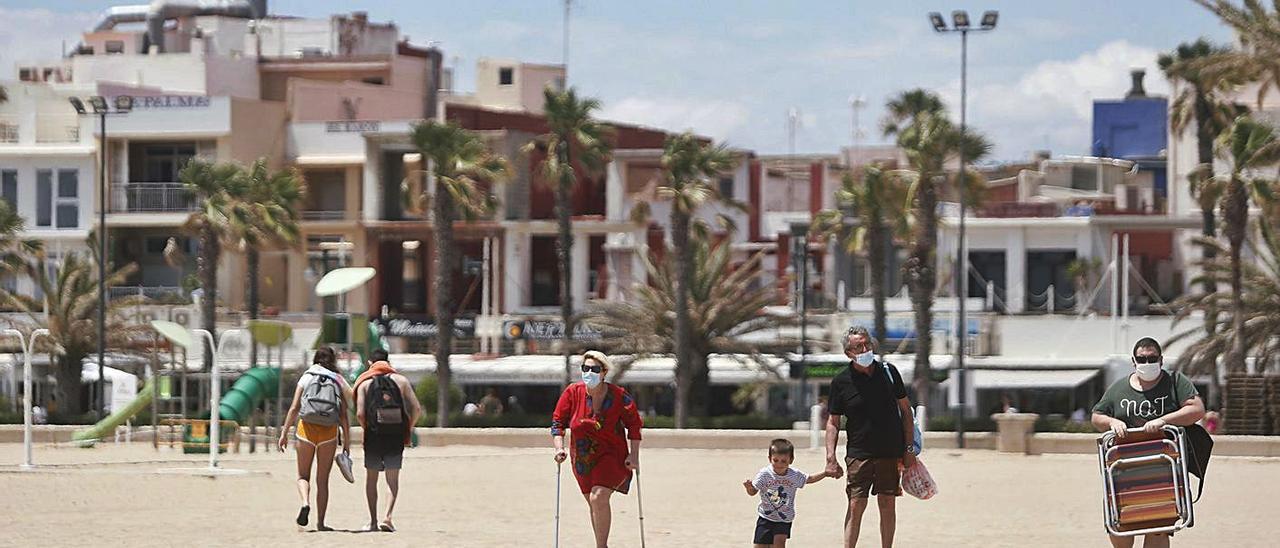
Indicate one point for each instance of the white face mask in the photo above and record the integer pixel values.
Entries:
(866, 358)
(1148, 371)
(591, 378)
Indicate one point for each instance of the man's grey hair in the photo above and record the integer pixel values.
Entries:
(858, 330)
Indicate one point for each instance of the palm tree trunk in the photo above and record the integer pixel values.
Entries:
(1209, 229)
(923, 275)
(253, 266)
(564, 252)
(684, 278)
(210, 249)
(876, 256)
(700, 385)
(444, 268)
(1236, 211)
(71, 385)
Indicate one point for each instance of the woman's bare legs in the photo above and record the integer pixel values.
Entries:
(324, 464)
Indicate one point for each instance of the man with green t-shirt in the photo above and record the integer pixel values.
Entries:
(1149, 398)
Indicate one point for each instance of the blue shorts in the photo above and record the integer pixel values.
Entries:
(766, 529)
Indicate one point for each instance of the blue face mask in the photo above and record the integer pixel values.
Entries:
(591, 379)
(866, 358)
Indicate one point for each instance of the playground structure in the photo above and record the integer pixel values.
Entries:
(257, 395)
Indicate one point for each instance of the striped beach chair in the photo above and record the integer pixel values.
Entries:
(1145, 482)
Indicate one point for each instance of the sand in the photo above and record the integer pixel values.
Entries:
(489, 497)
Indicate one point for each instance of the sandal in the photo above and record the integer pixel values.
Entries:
(302, 516)
(386, 527)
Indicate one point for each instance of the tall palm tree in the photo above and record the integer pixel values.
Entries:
(726, 303)
(1202, 101)
(1249, 145)
(918, 120)
(1260, 297)
(877, 199)
(217, 187)
(14, 250)
(1257, 29)
(69, 310)
(688, 164)
(267, 216)
(575, 137)
(462, 167)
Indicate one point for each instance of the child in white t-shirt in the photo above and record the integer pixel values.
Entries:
(777, 485)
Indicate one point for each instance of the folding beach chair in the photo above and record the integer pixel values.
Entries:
(1145, 482)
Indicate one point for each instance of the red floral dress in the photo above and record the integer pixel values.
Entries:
(598, 445)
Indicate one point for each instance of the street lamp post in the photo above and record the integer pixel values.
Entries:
(800, 232)
(960, 24)
(27, 347)
(123, 105)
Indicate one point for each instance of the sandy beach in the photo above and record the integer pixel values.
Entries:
(490, 497)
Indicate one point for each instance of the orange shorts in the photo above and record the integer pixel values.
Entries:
(316, 434)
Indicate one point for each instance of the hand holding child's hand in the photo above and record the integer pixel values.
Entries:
(833, 469)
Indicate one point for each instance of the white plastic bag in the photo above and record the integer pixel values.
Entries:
(917, 482)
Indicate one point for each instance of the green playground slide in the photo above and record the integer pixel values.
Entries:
(255, 385)
(107, 425)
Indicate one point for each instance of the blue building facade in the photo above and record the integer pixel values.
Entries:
(1136, 129)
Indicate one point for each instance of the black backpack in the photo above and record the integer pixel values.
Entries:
(384, 406)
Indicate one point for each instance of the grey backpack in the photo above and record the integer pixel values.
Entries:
(321, 401)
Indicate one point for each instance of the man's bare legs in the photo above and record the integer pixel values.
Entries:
(888, 519)
(1148, 541)
(393, 481)
(371, 495)
(853, 521)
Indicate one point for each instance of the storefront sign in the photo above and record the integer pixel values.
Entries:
(352, 126)
(549, 330)
(171, 101)
(422, 327)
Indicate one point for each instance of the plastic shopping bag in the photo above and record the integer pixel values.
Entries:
(917, 482)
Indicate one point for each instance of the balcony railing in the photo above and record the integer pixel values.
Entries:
(157, 294)
(57, 129)
(319, 215)
(151, 198)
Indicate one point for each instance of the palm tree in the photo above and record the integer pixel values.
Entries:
(217, 187)
(1257, 29)
(575, 136)
(918, 120)
(14, 251)
(265, 217)
(688, 164)
(1249, 145)
(877, 200)
(1203, 101)
(69, 310)
(462, 167)
(726, 303)
(1260, 297)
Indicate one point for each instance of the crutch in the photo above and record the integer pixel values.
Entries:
(558, 465)
(640, 504)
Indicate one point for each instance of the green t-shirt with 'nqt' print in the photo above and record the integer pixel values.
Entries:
(1136, 407)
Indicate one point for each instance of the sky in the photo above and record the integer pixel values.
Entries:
(733, 69)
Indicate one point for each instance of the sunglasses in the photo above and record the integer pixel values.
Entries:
(1146, 359)
(592, 368)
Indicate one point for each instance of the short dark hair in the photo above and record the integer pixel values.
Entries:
(1147, 342)
(782, 447)
(379, 355)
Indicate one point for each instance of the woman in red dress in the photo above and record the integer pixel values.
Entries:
(596, 413)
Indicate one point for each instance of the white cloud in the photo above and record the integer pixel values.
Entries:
(1051, 105)
(37, 35)
(717, 118)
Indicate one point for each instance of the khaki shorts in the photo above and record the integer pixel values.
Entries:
(875, 476)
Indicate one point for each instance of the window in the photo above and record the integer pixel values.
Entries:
(726, 187)
(68, 201)
(26, 74)
(159, 162)
(155, 245)
(506, 76)
(44, 197)
(9, 187)
(115, 46)
(8, 132)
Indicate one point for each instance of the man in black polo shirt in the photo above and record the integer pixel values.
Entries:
(870, 394)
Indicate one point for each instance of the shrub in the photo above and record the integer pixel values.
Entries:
(428, 395)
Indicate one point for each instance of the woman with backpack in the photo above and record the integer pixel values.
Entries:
(320, 407)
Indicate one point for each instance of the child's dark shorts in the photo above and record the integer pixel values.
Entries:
(766, 529)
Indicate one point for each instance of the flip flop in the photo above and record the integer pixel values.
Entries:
(302, 516)
(386, 527)
(344, 465)
(323, 528)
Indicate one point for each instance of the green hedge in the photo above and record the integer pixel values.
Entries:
(986, 424)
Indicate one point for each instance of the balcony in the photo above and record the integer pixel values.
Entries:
(151, 198)
(324, 215)
(41, 129)
(153, 294)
